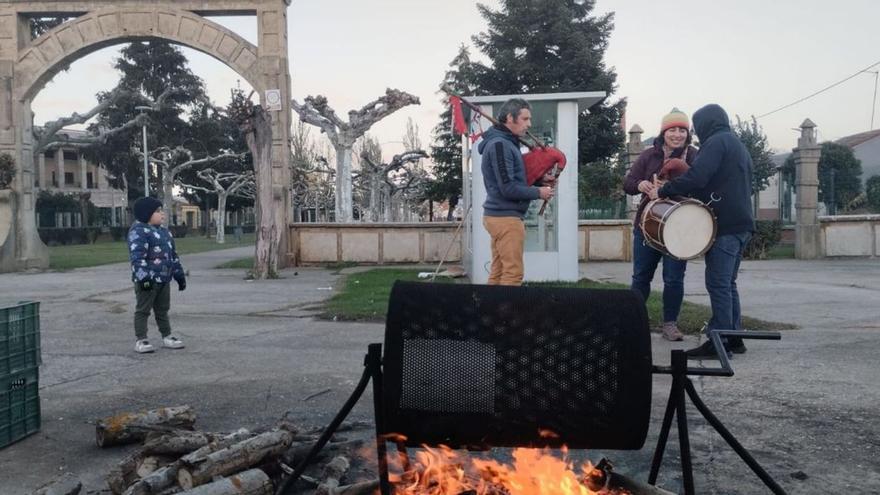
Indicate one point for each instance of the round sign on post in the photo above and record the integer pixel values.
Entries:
(273, 100)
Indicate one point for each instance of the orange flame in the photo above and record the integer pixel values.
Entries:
(443, 471)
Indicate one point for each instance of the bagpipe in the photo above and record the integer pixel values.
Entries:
(539, 160)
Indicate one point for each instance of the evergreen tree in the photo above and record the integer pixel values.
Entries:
(548, 46)
(840, 175)
(753, 138)
(147, 69)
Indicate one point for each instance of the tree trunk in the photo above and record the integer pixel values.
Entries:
(387, 206)
(251, 482)
(221, 217)
(168, 194)
(374, 197)
(134, 427)
(259, 141)
(343, 182)
(234, 458)
(453, 202)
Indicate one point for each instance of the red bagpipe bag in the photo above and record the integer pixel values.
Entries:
(539, 161)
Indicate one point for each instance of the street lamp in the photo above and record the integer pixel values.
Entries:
(142, 108)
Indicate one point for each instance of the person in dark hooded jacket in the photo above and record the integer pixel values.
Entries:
(507, 194)
(721, 176)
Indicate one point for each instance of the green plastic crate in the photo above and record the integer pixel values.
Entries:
(19, 337)
(19, 406)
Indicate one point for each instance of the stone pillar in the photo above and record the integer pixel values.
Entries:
(102, 178)
(42, 171)
(83, 173)
(22, 248)
(633, 150)
(806, 159)
(59, 167)
(273, 63)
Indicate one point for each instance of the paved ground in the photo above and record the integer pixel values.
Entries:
(805, 406)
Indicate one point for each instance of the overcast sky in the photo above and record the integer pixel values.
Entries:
(750, 56)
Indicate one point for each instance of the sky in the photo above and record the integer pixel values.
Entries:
(750, 56)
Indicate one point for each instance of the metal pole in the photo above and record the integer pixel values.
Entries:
(146, 164)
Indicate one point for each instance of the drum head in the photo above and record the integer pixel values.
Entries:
(688, 230)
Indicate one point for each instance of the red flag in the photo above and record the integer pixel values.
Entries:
(459, 126)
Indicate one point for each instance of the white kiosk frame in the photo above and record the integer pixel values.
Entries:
(552, 241)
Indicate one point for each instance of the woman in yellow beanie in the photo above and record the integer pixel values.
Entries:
(674, 141)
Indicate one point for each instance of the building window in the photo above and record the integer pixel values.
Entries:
(90, 183)
(49, 154)
(54, 180)
(68, 178)
(71, 155)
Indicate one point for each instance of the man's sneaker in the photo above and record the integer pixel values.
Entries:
(671, 332)
(143, 346)
(172, 342)
(705, 351)
(736, 346)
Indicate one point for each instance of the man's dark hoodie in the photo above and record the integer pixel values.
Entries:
(722, 171)
(504, 175)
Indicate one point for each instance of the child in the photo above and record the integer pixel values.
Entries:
(154, 263)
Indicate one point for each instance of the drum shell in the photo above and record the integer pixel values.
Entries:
(654, 217)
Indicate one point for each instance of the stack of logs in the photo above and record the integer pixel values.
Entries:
(174, 458)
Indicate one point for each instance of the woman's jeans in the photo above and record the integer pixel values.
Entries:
(645, 261)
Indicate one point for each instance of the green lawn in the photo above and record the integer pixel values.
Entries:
(365, 297)
(245, 263)
(102, 253)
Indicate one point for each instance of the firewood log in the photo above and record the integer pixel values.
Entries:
(221, 443)
(177, 443)
(133, 427)
(362, 488)
(163, 480)
(332, 476)
(156, 482)
(251, 482)
(124, 473)
(150, 463)
(242, 455)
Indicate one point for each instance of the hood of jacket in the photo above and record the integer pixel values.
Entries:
(710, 120)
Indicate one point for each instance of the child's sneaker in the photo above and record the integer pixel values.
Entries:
(172, 342)
(143, 346)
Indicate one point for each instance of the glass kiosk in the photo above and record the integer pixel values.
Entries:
(551, 247)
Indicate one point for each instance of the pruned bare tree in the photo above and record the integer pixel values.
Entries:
(256, 125)
(48, 136)
(396, 178)
(174, 161)
(224, 184)
(315, 110)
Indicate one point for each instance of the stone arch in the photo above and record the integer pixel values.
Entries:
(77, 38)
(26, 65)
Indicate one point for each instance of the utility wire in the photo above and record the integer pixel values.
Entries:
(838, 83)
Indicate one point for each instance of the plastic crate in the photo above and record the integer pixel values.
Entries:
(19, 337)
(19, 406)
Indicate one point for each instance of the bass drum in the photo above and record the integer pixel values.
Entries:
(683, 228)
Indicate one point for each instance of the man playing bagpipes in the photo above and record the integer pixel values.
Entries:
(512, 182)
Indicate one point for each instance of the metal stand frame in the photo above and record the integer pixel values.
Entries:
(681, 385)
